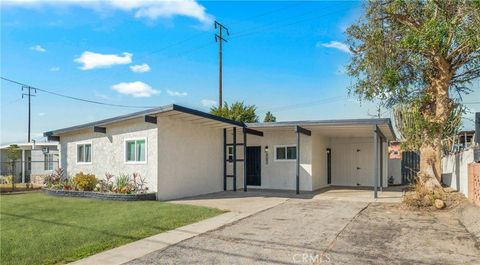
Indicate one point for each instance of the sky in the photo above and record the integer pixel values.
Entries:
(284, 57)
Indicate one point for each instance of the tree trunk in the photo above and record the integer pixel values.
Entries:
(436, 109)
(430, 165)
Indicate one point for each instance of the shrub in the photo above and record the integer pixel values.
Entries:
(139, 183)
(85, 182)
(122, 184)
(55, 178)
(6, 179)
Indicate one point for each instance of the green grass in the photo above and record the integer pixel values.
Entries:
(40, 229)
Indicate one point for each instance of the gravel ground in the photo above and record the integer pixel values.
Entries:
(329, 232)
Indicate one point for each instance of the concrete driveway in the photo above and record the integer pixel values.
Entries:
(323, 229)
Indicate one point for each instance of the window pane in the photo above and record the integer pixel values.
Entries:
(140, 150)
(280, 153)
(130, 152)
(45, 159)
(80, 153)
(291, 152)
(88, 153)
(230, 153)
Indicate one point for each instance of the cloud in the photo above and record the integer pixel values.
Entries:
(136, 89)
(336, 45)
(208, 102)
(92, 60)
(140, 68)
(150, 9)
(41, 114)
(177, 94)
(55, 69)
(38, 48)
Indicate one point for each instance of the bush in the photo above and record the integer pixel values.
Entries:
(122, 184)
(6, 179)
(85, 182)
(55, 178)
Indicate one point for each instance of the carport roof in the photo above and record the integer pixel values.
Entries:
(384, 124)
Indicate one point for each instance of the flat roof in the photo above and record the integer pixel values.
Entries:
(382, 123)
(153, 111)
(182, 112)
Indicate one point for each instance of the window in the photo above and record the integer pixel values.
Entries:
(48, 162)
(284, 153)
(230, 153)
(135, 150)
(84, 153)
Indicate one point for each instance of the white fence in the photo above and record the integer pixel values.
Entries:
(455, 170)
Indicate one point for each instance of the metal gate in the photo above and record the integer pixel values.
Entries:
(410, 166)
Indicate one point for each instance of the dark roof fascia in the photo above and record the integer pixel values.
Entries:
(381, 121)
(141, 114)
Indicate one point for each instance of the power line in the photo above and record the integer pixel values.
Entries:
(194, 36)
(76, 98)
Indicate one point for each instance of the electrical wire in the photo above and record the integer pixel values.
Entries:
(76, 98)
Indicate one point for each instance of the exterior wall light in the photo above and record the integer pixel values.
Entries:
(266, 154)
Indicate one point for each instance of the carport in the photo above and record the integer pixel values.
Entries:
(329, 153)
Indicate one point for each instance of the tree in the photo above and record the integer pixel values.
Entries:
(238, 111)
(417, 52)
(13, 154)
(269, 117)
(409, 122)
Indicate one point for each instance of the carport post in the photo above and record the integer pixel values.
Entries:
(375, 161)
(298, 163)
(234, 158)
(244, 159)
(225, 159)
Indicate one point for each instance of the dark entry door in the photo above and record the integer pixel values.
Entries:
(253, 165)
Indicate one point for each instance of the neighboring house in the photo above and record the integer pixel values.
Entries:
(37, 159)
(184, 152)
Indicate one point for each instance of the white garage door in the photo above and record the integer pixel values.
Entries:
(352, 164)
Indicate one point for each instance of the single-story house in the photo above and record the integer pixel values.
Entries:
(37, 159)
(185, 152)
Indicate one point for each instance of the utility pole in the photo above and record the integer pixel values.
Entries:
(220, 39)
(29, 94)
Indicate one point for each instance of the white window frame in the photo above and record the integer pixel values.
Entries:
(284, 146)
(91, 153)
(125, 150)
(47, 161)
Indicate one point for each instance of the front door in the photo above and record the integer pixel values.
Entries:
(253, 165)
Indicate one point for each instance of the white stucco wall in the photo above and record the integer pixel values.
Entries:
(108, 151)
(279, 175)
(320, 144)
(455, 170)
(190, 159)
(38, 162)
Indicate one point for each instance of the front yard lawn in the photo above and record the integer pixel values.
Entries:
(40, 229)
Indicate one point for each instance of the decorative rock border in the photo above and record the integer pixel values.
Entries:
(101, 195)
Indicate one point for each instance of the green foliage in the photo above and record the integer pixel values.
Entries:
(269, 117)
(14, 152)
(122, 184)
(238, 111)
(401, 49)
(85, 182)
(412, 125)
